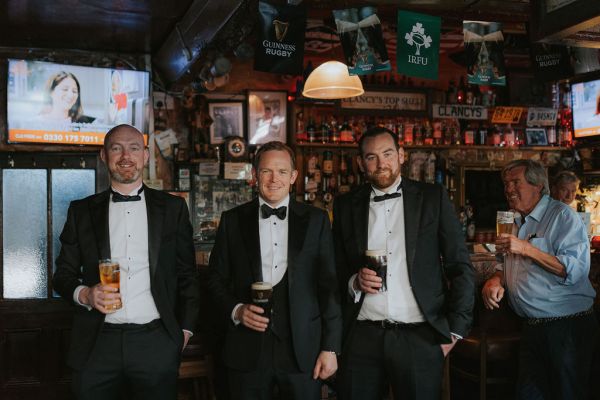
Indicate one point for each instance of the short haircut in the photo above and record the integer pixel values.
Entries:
(275, 145)
(376, 131)
(115, 129)
(564, 177)
(535, 173)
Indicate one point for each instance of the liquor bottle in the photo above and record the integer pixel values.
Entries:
(311, 130)
(346, 132)
(437, 132)
(301, 135)
(408, 132)
(429, 175)
(418, 134)
(334, 131)
(469, 135)
(400, 131)
(428, 133)
(343, 184)
(509, 136)
(481, 135)
(324, 130)
(551, 135)
(496, 136)
(327, 163)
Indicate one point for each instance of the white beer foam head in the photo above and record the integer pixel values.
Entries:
(262, 286)
(375, 253)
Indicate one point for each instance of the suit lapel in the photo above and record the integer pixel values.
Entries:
(360, 210)
(155, 210)
(413, 201)
(297, 226)
(251, 237)
(99, 216)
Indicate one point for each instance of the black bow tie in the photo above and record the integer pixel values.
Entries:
(118, 197)
(387, 196)
(266, 211)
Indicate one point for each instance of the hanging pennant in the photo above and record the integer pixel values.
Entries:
(484, 50)
(362, 40)
(418, 45)
(280, 43)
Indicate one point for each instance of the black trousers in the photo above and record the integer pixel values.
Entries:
(133, 361)
(277, 366)
(555, 359)
(409, 359)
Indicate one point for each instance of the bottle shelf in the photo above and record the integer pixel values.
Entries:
(439, 146)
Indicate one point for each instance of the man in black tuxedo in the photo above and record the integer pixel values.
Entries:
(399, 336)
(136, 348)
(288, 244)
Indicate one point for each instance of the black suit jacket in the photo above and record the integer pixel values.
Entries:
(235, 263)
(439, 267)
(174, 283)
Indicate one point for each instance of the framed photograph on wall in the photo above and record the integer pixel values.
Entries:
(228, 120)
(267, 116)
(536, 137)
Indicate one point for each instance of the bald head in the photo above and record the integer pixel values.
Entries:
(120, 128)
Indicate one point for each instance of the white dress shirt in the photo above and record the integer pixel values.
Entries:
(386, 231)
(273, 238)
(128, 233)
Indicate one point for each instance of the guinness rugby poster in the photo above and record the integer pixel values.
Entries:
(280, 44)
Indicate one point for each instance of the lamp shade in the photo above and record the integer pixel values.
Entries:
(331, 80)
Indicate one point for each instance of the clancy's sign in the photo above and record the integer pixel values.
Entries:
(459, 111)
(411, 101)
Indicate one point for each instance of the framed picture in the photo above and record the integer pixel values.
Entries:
(228, 120)
(536, 137)
(267, 116)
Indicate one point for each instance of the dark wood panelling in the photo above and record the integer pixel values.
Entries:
(23, 351)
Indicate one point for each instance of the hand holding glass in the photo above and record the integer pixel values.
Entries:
(110, 274)
(376, 260)
(504, 222)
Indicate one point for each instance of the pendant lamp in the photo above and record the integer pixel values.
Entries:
(331, 80)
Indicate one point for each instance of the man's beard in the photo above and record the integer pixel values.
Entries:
(131, 178)
(381, 181)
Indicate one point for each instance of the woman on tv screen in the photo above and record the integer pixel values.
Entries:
(63, 100)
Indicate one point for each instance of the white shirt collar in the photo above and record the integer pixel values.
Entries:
(390, 189)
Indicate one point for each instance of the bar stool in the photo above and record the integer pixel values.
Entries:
(197, 365)
(489, 355)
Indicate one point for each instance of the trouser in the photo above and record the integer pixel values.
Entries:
(555, 359)
(136, 361)
(276, 366)
(408, 357)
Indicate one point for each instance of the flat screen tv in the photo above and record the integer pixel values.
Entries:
(585, 98)
(66, 104)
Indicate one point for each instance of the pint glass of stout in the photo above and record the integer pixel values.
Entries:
(376, 260)
(110, 274)
(262, 292)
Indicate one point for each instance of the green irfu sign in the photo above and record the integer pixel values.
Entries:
(418, 45)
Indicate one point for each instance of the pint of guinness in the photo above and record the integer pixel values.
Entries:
(376, 260)
(262, 293)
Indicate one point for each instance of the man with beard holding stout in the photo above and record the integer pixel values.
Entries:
(399, 336)
(134, 350)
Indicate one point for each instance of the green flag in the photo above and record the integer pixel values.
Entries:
(418, 44)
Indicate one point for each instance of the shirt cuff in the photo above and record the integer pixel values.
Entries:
(355, 294)
(78, 290)
(454, 335)
(235, 321)
(190, 332)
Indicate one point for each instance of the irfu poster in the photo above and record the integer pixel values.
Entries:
(418, 45)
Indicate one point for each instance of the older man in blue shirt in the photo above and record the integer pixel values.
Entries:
(547, 261)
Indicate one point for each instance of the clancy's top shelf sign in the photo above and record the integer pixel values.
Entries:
(387, 101)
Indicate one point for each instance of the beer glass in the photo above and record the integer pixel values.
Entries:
(376, 260)
(504, 222)
(262, 293)
(110, 274)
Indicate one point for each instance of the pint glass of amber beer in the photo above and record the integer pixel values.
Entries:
(376, 260)
(110, 274)
(262, 292)
(504, 222)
